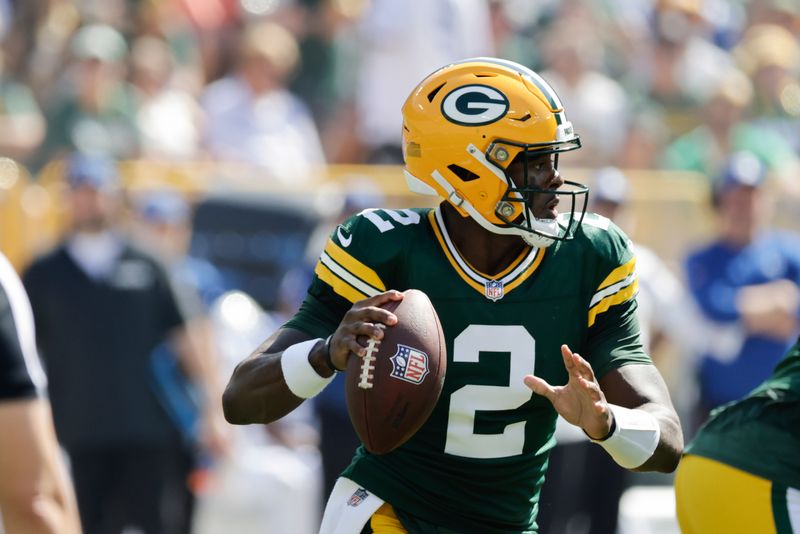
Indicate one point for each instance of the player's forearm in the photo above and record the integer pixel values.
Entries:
(650, 434)
(258, 393)
(670, 445)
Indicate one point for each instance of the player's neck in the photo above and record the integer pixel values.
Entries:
(487, 252)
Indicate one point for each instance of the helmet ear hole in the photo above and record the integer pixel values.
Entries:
(433, 93)
(465, 175)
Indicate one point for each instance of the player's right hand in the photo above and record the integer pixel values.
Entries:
(366, 318)
(581, 401)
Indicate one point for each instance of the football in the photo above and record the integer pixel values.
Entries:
(393, 389)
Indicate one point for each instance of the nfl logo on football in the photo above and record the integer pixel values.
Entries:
(409, 364)
(494, 290)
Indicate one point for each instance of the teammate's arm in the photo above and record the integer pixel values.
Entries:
(586, 402)
(258, 392)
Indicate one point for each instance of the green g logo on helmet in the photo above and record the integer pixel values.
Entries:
(474, 105)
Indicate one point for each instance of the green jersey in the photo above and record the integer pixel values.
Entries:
(760, 433)
(479, 461)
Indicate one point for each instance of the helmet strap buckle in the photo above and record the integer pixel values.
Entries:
(455, 198)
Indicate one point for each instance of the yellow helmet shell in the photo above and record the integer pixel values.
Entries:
(466, 122)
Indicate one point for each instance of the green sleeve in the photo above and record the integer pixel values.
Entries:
(613, 337)
(614, 340)
(358, 262)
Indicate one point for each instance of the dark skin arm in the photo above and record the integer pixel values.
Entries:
(584, 401)
(257, 393)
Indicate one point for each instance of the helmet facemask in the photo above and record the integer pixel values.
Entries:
(516, 207)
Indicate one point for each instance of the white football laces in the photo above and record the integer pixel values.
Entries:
(367, 364)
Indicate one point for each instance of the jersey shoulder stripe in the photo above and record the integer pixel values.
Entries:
(346, 275)
(339, 283)
(616, 255)
(618, 287)
(361, 252)
(619, 274)
(624, 294)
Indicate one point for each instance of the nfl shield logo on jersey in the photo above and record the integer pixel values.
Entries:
(494, 290)
(409, 364)
(357, 497)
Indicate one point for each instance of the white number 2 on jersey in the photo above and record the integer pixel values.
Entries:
(466, 401)
(404, 217)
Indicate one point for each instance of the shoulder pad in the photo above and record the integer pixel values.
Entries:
(361, 255)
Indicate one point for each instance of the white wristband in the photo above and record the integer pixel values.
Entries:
(634, 439)
(301, 378)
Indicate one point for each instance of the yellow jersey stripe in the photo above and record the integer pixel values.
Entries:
(475, 285)
(341, 287)
(355, 267)
(528, 272)
(619, 297)
(619, 274)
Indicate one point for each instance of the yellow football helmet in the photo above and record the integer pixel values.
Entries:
(463, 126)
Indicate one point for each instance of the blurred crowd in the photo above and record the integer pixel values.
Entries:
(290, 84)
(709, 86)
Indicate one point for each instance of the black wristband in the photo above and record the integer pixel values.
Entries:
(610, 430)
(328, 360)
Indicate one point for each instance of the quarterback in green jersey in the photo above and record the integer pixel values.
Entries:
(741, 473)
(516, 282)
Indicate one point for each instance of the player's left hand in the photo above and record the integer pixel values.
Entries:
(581, 401)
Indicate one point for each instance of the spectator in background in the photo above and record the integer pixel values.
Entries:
(597, 103)
(164, 222)
(167, 116)
(251, 117)
(747, 285)
(94, 110)
(646, 137)
(36, 496)
(725, 129)
(101, 308)
(770, 55)
(22, 125)
(781, 12)
(38, 42)
(401, 42)
(676, 64)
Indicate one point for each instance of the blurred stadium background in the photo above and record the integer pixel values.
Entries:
(272, 118)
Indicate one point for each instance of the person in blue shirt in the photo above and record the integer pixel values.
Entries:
(746, 282)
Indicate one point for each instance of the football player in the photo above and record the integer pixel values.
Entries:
(741, 472)
(35, 492)
(519, 276)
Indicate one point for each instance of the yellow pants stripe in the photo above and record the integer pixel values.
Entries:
(713, 497)
(384, 521)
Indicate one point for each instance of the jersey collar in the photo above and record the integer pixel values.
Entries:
(493, 287)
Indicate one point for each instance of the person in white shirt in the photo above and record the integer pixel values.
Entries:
(251, 117)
